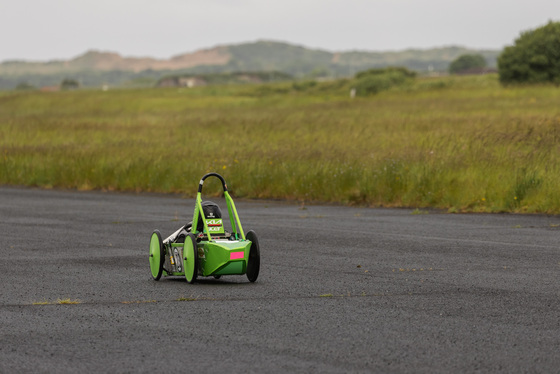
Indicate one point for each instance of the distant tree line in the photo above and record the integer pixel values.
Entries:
(534, 58)
(296, 61)
(224, 78)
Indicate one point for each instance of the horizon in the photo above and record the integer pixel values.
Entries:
(240, 43)
(33, 30)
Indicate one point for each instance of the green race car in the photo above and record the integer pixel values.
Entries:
(203, 247)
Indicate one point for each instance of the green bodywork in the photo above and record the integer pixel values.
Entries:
(215, 258)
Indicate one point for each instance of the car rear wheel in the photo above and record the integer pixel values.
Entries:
(156, 255)
(190, 258)
(254, 262)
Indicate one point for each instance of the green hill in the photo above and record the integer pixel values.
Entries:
(96, 68)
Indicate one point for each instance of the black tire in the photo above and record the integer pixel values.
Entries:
(254, 262)
(156, 255)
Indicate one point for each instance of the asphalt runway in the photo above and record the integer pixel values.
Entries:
(341, 289)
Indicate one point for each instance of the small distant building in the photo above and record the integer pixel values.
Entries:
(50, 88)
(191, 82)
(182, 82)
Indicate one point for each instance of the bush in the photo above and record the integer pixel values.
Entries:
(304, 85)
(372, 81)
(466, 62)
(24, 86)
(534, 58)
(69, 84)
(397, 70)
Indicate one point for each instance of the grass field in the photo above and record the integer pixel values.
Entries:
(456, 143)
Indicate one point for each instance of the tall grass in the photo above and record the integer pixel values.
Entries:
(463, 144)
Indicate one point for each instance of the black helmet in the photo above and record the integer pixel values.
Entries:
(211, 210)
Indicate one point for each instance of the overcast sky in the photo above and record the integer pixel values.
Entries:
(62, 29)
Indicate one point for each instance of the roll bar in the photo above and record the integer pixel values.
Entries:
(233, 216)
(212, 175)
